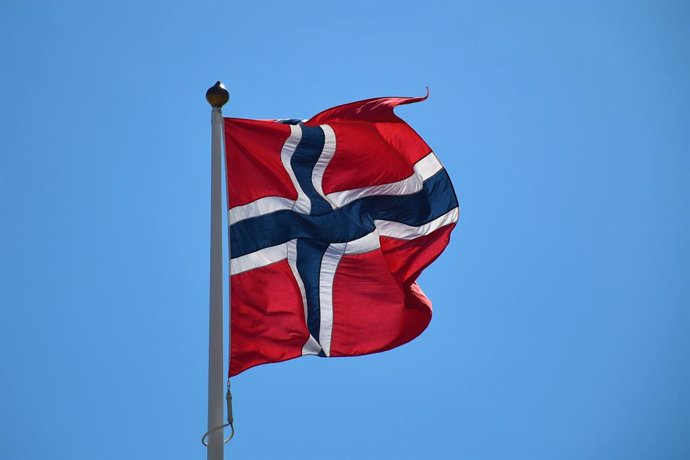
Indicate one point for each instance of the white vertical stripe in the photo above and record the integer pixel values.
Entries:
(311, 347)
(302, 204)
(325, 158)
(329, 264)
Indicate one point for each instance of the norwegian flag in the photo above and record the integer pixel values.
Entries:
(332, 220)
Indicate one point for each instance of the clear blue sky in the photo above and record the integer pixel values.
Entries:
(562, 305)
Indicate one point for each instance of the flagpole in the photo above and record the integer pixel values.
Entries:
(217, 96)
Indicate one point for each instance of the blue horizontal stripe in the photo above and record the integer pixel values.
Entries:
(350, 222)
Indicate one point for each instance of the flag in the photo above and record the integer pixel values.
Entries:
(331, 221)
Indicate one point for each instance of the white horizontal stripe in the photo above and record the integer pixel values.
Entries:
(325, 158)
(428, 166)
(260, 258)
(404, 187)
(303, 204)
(265, 205)
(366, 243)
(406, 232)
(423, 169)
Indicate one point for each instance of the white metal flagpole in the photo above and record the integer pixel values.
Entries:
(217, 96)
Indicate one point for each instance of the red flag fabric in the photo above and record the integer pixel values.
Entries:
(332, 220)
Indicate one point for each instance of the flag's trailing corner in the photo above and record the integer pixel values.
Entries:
(331, 222)
(375, 110)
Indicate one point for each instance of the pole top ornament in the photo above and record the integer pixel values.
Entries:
(217, 95)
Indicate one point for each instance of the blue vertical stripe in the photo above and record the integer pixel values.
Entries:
(309, 255)
(303, 161)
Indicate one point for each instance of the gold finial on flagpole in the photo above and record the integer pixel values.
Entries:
(217, 95)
